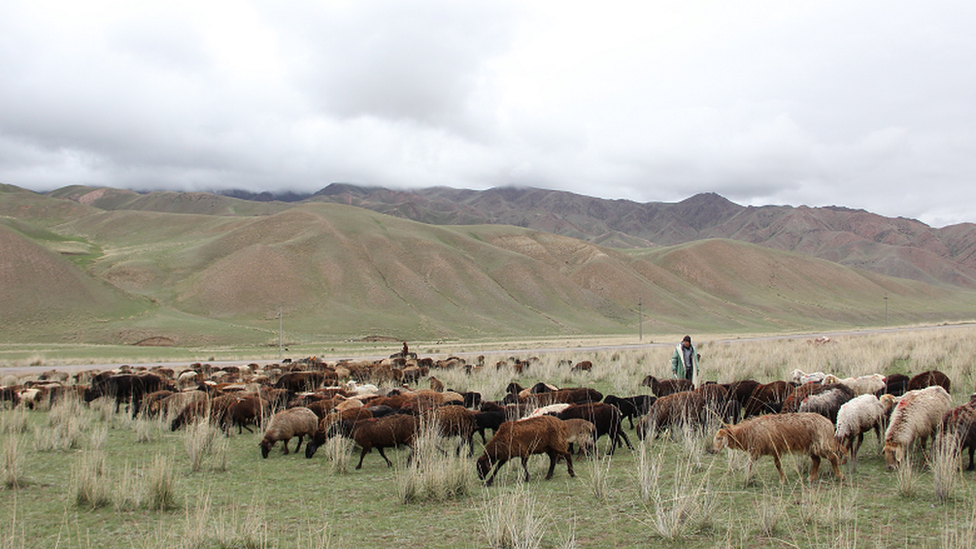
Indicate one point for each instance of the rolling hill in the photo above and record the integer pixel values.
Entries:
(218, 273)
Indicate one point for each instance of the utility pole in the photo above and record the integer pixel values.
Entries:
(886, 309)
(279, 332)
(640, 319)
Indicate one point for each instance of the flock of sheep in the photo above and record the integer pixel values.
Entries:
(814, 414)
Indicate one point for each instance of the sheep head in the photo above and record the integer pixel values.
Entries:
(720, 442)
(484, 465)
(894, 455)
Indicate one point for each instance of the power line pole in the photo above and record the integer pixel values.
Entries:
(886, 309)
(279, 332)
(640, 319)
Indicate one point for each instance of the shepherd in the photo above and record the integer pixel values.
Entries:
(684, 361)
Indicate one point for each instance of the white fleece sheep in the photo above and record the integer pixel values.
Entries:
(862, 385)
(801, 377)
(856, 417)
(551, 409)
(916, 416)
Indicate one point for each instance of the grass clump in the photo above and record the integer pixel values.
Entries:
(433, 474)
(89, 483)
(160, 486)
(12, 463)
(515, 520)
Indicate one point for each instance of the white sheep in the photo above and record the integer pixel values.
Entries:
(856, 417)
(551, 409)
(862, 385)
(801, 377)
(293, 422)
(916, 416)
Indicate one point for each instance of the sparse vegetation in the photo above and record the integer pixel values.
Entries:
(667, 488)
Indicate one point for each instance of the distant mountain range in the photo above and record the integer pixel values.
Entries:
(112, 265)
(899, 247)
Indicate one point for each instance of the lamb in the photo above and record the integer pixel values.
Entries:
(606, 418)
(386, 432)
(856, 417)
(928, 379)
(827, 403)
(959, 425)
(665, 387)
(582, 432)
(862, 385)
(293, 422)
(544, 434)
(774, 435)
(630, 407)
(677, 410)
(488, 420)
(801, 377)
(917, 416)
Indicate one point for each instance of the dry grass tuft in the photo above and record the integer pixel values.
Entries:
(12, 463)
(89, 483)
(515, 520)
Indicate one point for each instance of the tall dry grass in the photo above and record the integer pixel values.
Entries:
(433, 473)
(12, 472)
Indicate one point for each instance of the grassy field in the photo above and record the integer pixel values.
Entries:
(76, 476)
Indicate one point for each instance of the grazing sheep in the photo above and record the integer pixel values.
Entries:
(385, 432)
(774, 435)
(896, 384)
(631, 407)
(856, 417)
(582, 432)
(321, 434)
(245, 410)
(583, 366)
(544, 434)
(579, 395)
(917, 416)
(960, 424)
(828, 402)
(928, 379)
(673, 411)
(293, 422)
(741, 390)
(606, 418)
(455, 421)
(862, 385)
(665, 387)
(767, 398)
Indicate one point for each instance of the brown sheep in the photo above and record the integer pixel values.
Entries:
(665, 387)
(455, 421)
(774, 435)
(928, 379)
(538, 435)
(246, 410)
(293, 422)
(959, 425)
(796, 396)
(605, 417)
(677, 410)
(321, 434)
(767, 398)
(582, 432)
(385, 432)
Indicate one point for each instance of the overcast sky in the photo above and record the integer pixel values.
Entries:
(862, 104)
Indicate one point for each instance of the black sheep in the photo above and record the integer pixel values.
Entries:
(631, 407)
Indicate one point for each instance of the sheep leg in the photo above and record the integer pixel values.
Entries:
(366, 450)
(836, 466)
(815, 469)
(300, 438)
(553, 456)
(779, 467)
(856, 446)
(383, 455)
(286, 445)
(621, 433)
(497, 466)
(525, 467)
(569, 463)
(630, 418)
(972, 449)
